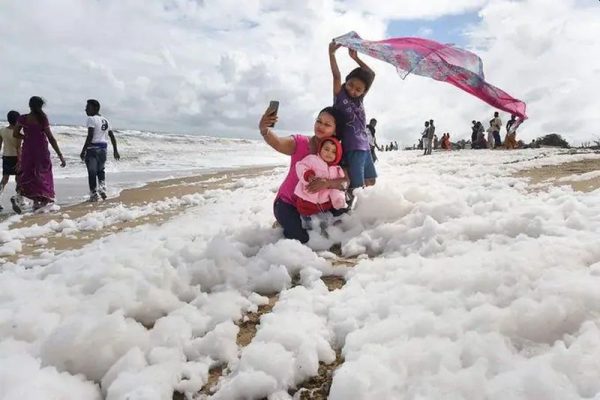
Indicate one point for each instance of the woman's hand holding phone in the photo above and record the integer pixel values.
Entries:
(267, 121)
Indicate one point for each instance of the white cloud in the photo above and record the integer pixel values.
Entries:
(413, 9)
(425, 31)
(211, 67)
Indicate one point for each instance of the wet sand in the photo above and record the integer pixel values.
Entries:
(150, 193)
(554, 175)
(540, 178)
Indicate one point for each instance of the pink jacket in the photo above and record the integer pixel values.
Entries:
(322, 170)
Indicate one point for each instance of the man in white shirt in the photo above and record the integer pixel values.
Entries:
(94, 149)
(11, 148)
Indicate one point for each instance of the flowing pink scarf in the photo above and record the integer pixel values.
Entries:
(441, 62)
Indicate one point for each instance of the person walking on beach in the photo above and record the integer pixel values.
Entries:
(348, 99)
(35, 179)
(372, 139)
(94, 149)
(496, 127)
(329, 123)
(11, 147)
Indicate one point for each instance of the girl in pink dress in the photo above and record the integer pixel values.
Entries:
(324, 164)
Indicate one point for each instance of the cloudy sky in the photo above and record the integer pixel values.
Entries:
(211, 66)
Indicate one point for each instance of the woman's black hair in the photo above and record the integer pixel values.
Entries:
(35, 104)
(340, 121)
(363, 75)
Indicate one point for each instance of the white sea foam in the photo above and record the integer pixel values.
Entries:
(474, 288)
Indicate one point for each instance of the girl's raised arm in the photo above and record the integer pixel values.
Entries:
(335, 70)
(361, 63)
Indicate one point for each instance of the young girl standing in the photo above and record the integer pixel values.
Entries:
(348, 99)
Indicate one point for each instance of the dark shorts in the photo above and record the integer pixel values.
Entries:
(360, 167)
(9, 165)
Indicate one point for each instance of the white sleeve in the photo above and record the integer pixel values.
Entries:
(91, 123)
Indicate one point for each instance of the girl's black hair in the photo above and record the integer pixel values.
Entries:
(340, 121)
(364, 75)
(35, 104)
(12, 117)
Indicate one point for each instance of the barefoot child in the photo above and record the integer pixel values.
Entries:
(94, 149)
(348, 99)
(11, 147)
(315, 166)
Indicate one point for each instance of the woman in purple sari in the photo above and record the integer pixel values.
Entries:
(35, 168)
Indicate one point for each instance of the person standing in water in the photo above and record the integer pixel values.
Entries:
(11, 147)
(35, 179)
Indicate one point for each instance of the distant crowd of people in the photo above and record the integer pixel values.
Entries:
(429, 140)
(26, 156)
(493, 141)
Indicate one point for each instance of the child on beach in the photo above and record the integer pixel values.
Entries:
(11, 147)
(348, 99)
(94, 149)
(324, 164)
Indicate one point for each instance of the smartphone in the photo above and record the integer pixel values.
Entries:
(273, 108)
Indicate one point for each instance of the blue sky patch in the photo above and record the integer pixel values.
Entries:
(446, 29)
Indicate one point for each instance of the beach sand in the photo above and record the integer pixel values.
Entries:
(149, 193)
(564, 174)
(538, 178)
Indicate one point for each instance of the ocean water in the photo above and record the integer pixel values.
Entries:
(148, 156)
(162, 152)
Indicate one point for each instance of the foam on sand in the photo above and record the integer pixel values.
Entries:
(467, 284)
